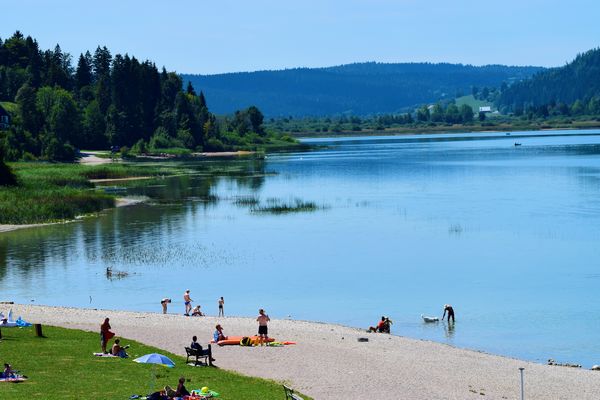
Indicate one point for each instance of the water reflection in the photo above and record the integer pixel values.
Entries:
(411, 223)
(133, 235)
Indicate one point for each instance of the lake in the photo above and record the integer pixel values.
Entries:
(506, 234)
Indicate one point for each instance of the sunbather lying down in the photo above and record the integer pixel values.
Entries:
(10, 375)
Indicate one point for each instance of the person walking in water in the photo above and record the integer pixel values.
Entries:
(263, 319)
(450, 310)
(164, 303)
(188, 302)
(221, 304)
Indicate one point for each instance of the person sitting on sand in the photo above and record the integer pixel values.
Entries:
(219, 335)
(448, 307)
(386, 326)
(380, 326)
(196, 312)
(164, 303)
(181, 390)
(118, 350)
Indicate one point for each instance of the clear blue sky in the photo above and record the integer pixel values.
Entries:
(202, 36)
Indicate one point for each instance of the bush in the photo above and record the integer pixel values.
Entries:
(54, 151)
(186, 138)
(214, 144)
(160, 139)
(139, 147)
(7, 177)
(124, 152)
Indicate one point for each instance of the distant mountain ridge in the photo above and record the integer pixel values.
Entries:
(577, 80)
(358, 89)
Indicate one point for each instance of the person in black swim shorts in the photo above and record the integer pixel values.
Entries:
(263, 319)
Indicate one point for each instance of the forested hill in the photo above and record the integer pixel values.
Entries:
(106, 100)
(358, 89)
(578, 80)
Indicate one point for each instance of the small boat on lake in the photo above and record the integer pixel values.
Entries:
(517, 144)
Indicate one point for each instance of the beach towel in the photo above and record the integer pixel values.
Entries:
(203, 394)
(104, 355)
(13, 380)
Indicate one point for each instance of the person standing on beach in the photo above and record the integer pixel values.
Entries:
(188, 302)
(164, 303)
(221, 304)
(450, 310)
(263, 319)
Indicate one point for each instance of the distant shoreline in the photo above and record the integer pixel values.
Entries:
(328, 362)
(424, 131)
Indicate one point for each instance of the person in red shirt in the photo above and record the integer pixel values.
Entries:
(380, 326)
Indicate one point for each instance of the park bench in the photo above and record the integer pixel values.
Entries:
(197, 355)
(290, 395)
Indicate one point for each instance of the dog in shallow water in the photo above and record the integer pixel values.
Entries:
(429, 319)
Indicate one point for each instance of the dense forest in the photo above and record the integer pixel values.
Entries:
(355, 89)
(573, 89)
(105, 101)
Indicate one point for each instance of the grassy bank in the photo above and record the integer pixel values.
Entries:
(55, 192)
(61, 366)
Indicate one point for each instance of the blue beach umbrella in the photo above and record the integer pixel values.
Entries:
(155, 358)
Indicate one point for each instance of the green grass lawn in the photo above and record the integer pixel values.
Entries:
(61, 366)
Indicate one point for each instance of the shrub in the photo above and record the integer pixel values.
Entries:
(139, 147)
(214, 144)
(7, 177)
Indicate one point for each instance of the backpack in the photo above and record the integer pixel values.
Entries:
(246, 341)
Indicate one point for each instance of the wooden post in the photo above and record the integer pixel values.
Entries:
(38, 330)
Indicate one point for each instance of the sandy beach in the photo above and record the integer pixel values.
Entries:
(328, 361)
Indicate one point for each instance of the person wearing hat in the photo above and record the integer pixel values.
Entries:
(448, 307)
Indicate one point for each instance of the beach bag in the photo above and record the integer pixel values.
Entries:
(246, 341)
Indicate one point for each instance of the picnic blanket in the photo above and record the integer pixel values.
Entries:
(16, 379)
(104, 355)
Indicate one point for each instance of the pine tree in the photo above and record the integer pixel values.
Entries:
(83, 74)
(190, 89)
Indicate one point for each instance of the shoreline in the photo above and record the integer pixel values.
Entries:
(416, 132)
(328, 361)
(119, 202)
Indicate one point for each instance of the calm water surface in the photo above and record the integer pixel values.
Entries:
(507, 235)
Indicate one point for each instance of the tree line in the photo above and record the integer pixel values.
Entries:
(573, 89)
(105, 101)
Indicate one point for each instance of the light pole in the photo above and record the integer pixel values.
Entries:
(522, 385)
